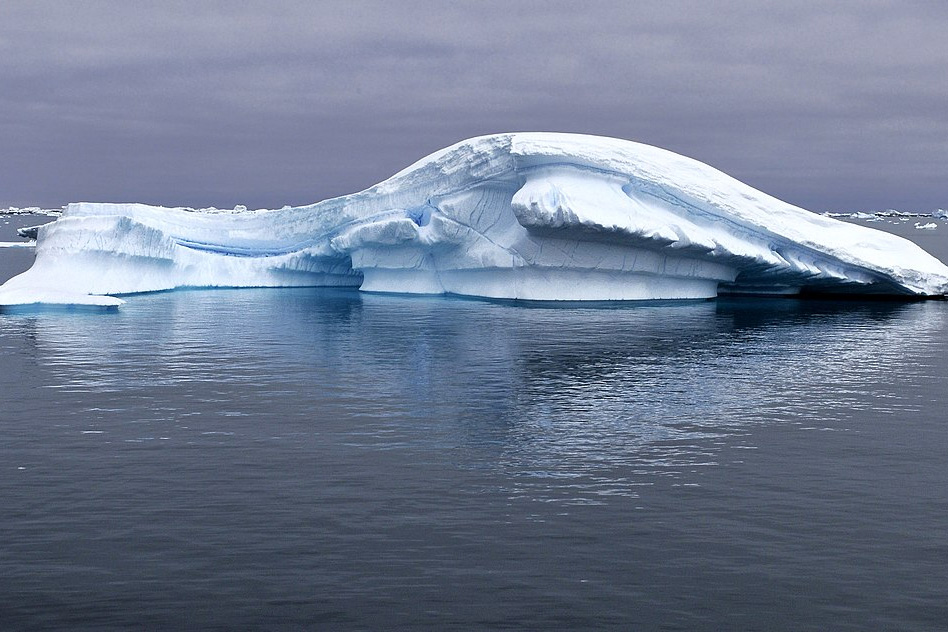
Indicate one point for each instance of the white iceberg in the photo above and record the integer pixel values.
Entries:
(535, 216)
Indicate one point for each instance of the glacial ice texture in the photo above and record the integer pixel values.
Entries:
(533, 216)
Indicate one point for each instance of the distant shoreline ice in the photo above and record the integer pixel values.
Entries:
(891, 213)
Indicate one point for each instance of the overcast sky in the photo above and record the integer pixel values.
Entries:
(829, 105)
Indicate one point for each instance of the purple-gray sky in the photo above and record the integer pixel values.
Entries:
(829, 105)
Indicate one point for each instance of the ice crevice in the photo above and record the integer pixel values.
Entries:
(532, 216)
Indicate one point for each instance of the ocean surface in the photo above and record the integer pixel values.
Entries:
(325, 459)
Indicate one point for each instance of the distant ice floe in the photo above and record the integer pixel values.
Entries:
(32, 210)
(876, 216)
(530, 216)
(928, 226)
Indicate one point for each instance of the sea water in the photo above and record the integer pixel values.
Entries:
(326, 459)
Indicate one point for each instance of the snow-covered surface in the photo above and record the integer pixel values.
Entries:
(525, 216)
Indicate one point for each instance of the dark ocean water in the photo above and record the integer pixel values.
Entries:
(324, 459)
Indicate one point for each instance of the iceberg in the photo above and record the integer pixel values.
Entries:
(531, 216)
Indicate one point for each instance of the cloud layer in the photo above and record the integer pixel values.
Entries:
(828, 105)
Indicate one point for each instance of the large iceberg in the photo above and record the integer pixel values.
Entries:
(534, 216)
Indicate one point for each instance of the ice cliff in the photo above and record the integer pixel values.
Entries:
(535, 216)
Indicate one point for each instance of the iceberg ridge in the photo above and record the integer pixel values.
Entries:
(534, 216)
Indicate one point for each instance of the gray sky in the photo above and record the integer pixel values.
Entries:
(829, 105)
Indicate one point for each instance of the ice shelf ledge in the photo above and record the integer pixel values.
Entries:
(533, 216)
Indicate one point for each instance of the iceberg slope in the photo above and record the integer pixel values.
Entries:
(538, 216)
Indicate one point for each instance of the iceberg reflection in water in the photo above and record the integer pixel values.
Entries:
(572, 391)
(299, 456)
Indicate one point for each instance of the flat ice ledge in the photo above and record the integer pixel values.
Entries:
(531, 284)
(27, 296)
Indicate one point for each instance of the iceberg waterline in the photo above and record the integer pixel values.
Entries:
(534, 216)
